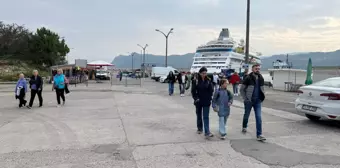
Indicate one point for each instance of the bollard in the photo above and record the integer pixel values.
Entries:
(125, 81)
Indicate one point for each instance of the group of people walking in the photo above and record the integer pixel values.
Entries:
(183, 82)
(221, 99)
(59, 82)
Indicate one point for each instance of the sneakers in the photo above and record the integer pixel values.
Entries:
(199, 132)
(182, 95)
(261, 138)
(209, 135)
(244, 130)
(29, 107)
(63, 103)
(223, 137)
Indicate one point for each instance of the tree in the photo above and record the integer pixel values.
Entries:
(48, 48)
(41, 49)
(13, 42)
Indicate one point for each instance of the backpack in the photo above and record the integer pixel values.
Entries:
(218, 94)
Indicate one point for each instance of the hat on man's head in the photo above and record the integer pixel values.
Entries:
(203, 69)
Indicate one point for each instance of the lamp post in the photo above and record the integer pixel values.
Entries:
(132, 54)
(247, 33)
(146, 45)
(166, 44)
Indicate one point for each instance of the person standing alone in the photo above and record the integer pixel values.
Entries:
(201, 91)
(252, 92)
(36, 86)
(182, 80)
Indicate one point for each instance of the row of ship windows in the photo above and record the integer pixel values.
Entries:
(210, 59)
(214, 46)
(209, 62)
(217, 67)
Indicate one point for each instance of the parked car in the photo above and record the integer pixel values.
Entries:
(320, 100)
(157, 72)
(163, 79)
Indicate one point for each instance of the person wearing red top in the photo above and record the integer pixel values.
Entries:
(235, 80)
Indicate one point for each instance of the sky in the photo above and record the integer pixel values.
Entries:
(103, 29)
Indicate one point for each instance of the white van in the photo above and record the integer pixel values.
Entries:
(158, 72)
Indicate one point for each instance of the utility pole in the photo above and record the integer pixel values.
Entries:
(146, 45)
(247, 33)
(132, 54)
(166, 44)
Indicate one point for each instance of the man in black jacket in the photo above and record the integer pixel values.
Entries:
(171, 78)
(202, 91)
(252, 92)
(36, 86)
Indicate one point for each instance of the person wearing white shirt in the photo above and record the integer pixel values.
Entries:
(215, 81)
(182, 80)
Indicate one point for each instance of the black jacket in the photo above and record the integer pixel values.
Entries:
(171, 79)
(38, 82)
(179, 79)
(202, 91)
(248, 86)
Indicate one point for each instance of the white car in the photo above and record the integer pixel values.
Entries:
(162, 79)
(320, 100)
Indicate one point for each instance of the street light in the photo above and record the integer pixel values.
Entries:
(132, 54)
(166, 44)
(146, 45)
(247, 33)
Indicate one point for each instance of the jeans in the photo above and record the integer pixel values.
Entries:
(205, 111)
(248, 105)
(216, 86)
(171, 88)
(235, 88)
(182, 88)
(33, 93)
(60, 94)
(222, 125)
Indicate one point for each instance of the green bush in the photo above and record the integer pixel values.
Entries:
(11, 77)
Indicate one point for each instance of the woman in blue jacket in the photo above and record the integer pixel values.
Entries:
(59, 86)
(20, 90)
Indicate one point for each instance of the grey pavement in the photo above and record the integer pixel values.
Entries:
(124, 127)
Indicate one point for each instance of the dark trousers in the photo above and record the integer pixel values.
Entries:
(235, 88)
(258, 117)
(182, 88)
(60, 94)
(33, 93)
(205, 111)
(21, 98)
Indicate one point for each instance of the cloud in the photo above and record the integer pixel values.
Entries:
(106, 28)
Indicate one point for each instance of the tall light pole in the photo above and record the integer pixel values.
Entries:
(166, 44)
(146, 45)
(247, 33)
(132, 54)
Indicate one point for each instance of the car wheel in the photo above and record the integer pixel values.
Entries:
(313, 118)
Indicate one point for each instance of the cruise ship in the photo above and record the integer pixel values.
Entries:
(222, 54)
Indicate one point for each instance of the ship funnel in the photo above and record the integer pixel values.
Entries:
(224, 34)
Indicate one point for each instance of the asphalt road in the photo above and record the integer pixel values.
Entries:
(274, 99)
(105, 126)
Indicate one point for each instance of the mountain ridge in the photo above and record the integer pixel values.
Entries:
(299, 60)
